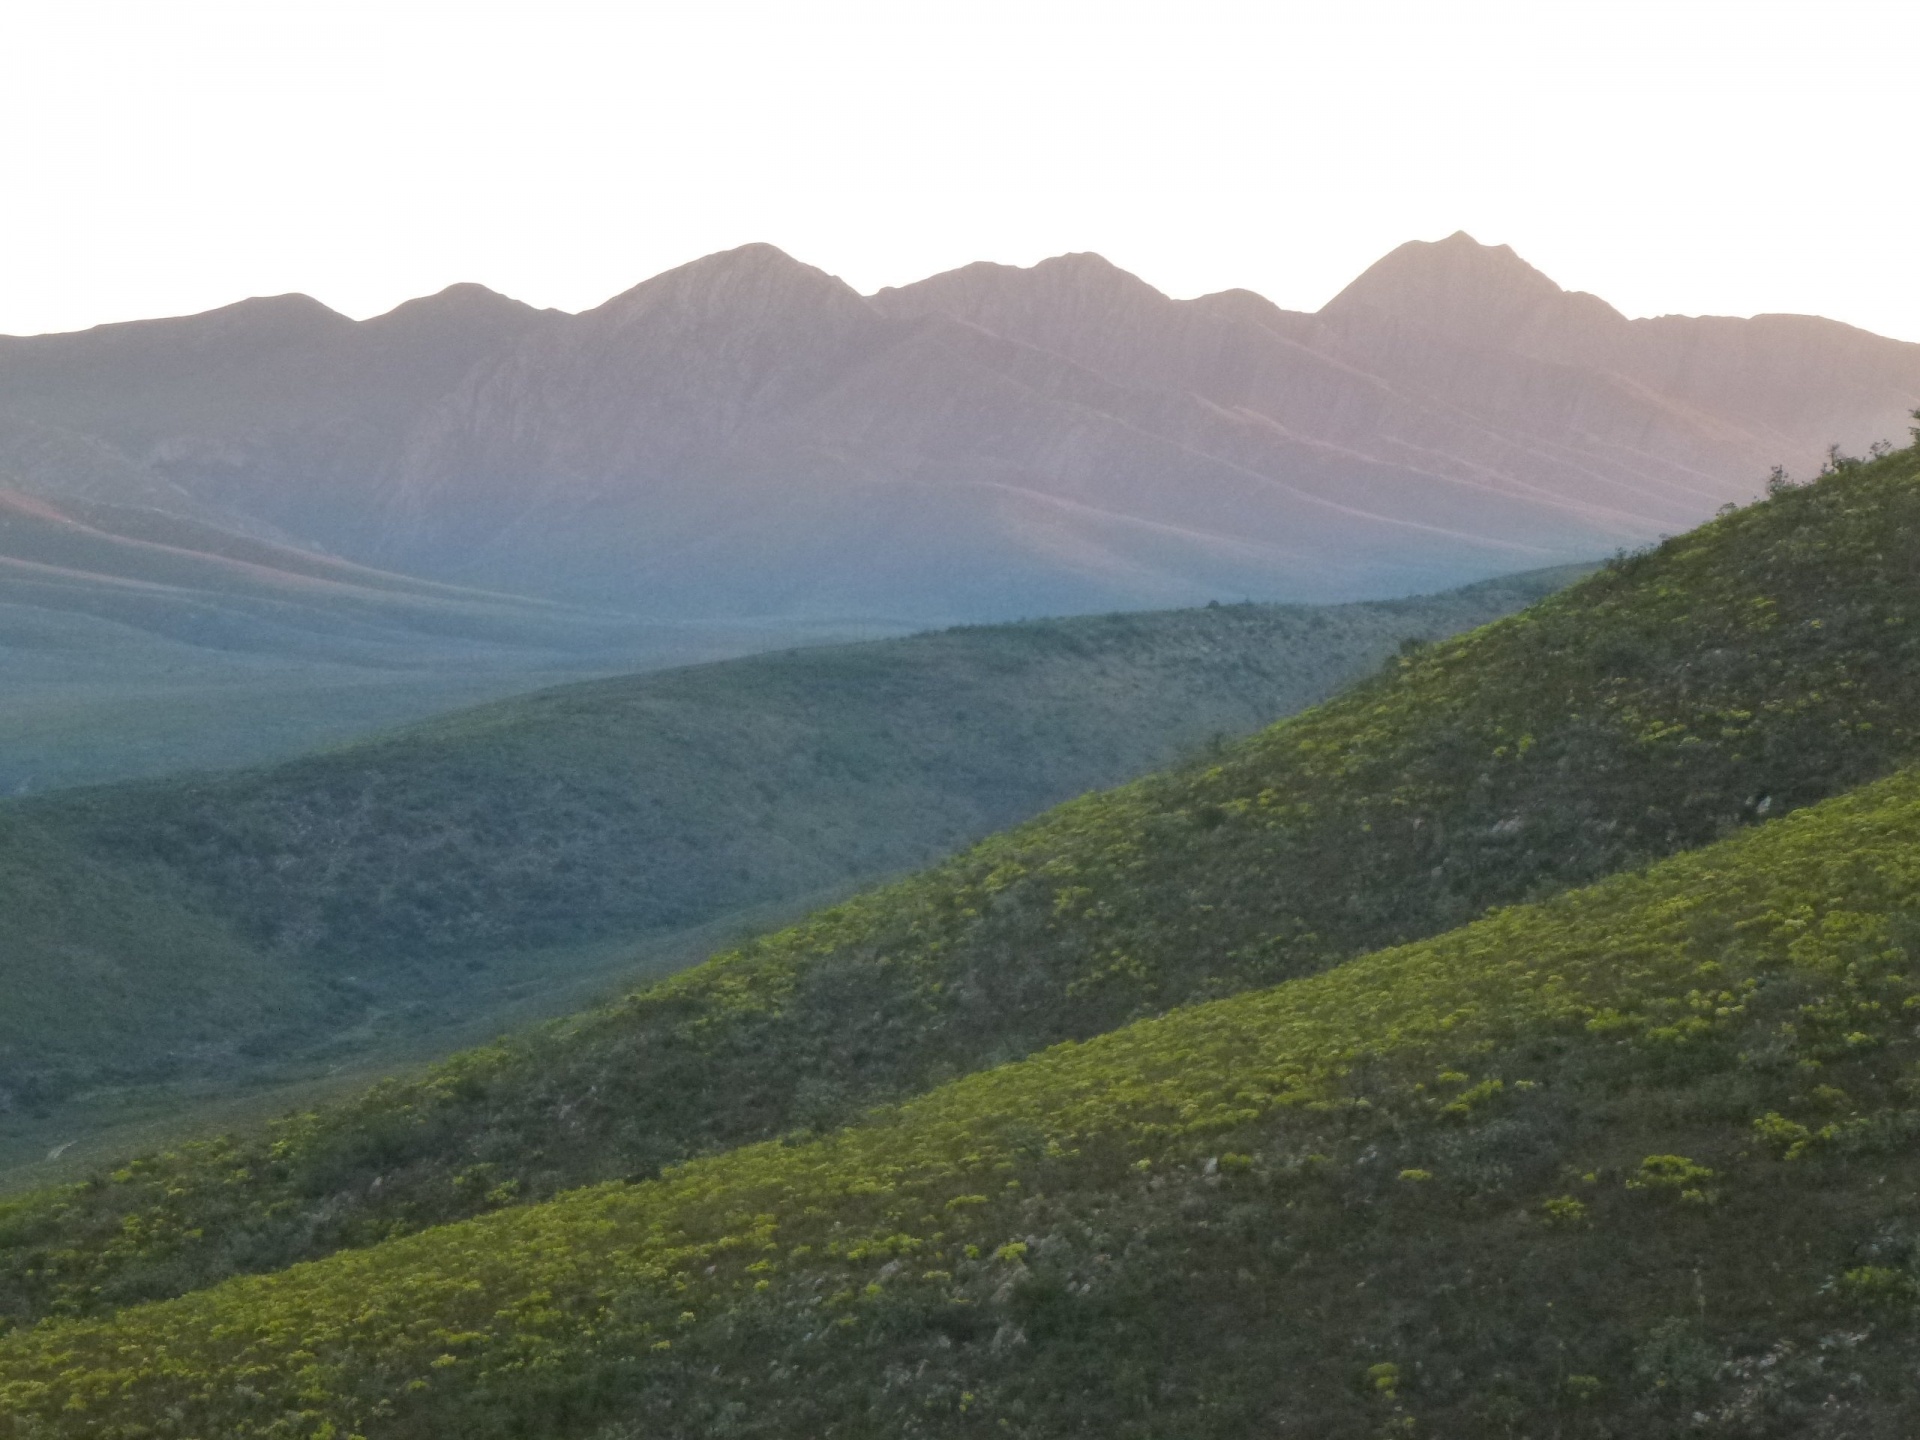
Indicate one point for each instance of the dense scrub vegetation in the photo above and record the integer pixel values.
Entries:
(387, 886)
(1763, 662)
(1633, 1161)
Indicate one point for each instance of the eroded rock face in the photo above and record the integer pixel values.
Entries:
(748, 436)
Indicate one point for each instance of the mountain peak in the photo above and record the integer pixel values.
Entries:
(757, 258)
(753, 278)
(465, 296)
(1416, 275)
(1007, 298)
(1466, 289)
(263, 319)
(462, 304)
(289, 315)
(753, 253)
(1084, 265)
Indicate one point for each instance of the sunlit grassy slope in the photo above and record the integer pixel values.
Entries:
(354, 904)
(1764, 662)
(1636, 1160)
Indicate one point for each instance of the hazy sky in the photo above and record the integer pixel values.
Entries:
(165, 156)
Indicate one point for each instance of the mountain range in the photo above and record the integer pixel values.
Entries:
(749, 438)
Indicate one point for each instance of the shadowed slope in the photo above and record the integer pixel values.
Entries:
(354, 904)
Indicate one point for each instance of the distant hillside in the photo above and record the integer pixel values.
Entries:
(341, 907)
(135, 641)
(190, 581)
(746, 437)
(1759, 664)
(1627, 1160)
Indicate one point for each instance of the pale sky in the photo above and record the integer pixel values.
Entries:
(165, 156)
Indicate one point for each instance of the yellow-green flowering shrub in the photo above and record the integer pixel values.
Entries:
(1808, 908)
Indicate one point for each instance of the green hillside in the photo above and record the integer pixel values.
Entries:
(1764, 662)
(1636, 1160)
(348, 908)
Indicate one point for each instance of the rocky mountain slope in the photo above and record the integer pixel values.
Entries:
(747, 436)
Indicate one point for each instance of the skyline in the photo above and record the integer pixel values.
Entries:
(1670, 159)
(869, 294)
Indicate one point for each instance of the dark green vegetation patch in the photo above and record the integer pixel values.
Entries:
(353, 906)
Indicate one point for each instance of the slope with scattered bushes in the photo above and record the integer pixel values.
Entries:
(1735, 674)
(1635, 1160)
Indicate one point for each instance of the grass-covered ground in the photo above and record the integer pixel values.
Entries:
(1633, 1161)
(226, 930)
(1734, 675)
